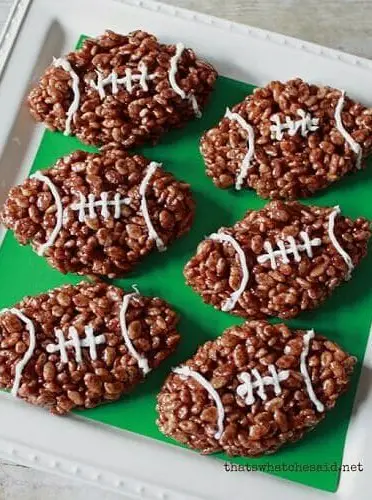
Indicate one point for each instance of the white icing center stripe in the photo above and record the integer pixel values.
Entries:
(59, 212)
(309, 386)
(142, 361)
(65, 65)
(306, 124)
(185, 371)
(153, 235)
(127, 81)
(245, 389)
(355, 147)
(76, 343)
(246, 163)
(336, 244)
(82, 206)
(293, 248)
(234, 297)
(31, 348)
(130, 79)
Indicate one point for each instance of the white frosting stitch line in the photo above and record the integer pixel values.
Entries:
(291, 249)
(355, 147)
(234, 297)
(31, 348)
(185, 371)
(309, 386)
(128, 80)
(195, 106)
(173, 70)
(59, 211)
(142, 78)
(246, 163)
(83, 205)
(153, 235)
(76, 342)
(172, 80)
(65, 65)
(142, 361)
(306, 124)
(336, 244)
(245, 389)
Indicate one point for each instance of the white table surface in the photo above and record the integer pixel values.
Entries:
(340, 24)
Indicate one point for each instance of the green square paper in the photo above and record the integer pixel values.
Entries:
(345, 317)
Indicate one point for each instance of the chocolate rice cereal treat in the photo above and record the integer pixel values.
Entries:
(255, 388)
(278, 261)
(122, 89)
(99, 214)
(288, 140)
(84, 345)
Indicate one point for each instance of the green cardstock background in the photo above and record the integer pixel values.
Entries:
(345, 317)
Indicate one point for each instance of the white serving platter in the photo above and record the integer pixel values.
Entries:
(120, 461)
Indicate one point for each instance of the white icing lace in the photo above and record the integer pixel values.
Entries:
(141, 360)
(246, 163)
(31, 348)
(65, 65)
(153, 235)
(305, 374)
(293, 248)
(76, 343)
(59, 211)
(87, 208)
(230, 303)
(336, 244)
(245, 389)
(130, 79)
(305, 124)
(355, 147)
(185, 371)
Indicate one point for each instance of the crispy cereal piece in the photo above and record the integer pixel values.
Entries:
(278, 261)
(84, 345)
(288, 140)
(122, 89)
(99, 214)
(255, 388)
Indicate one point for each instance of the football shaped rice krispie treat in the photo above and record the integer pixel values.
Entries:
(99, 214)
(84, 345)
(288, 140)
(255, 388)
(278, 261)
(122, 89)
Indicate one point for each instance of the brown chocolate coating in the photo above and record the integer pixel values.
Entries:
(129, 117)
(215, 272)
(47, 381)
(97, 245)
(188, 414)
(294, 166)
